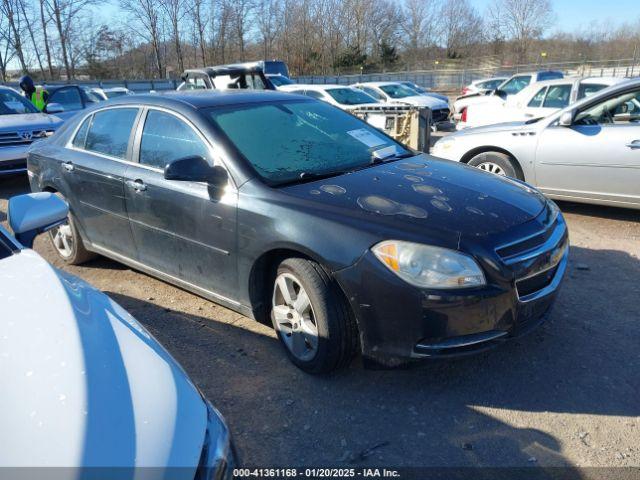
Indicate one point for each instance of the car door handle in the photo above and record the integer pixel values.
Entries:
(635, 145)
(68, 166)
(137, 185)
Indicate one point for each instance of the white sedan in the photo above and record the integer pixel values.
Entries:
(587, 152)
(535, 101)
(83, 383)
(396, 92)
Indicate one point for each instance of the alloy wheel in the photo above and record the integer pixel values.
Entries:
(492, 168)
(63, 240)
(294, 318)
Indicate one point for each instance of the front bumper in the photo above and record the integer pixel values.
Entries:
(398, 321)
(13, 159)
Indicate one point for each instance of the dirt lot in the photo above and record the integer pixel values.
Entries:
(567, 395)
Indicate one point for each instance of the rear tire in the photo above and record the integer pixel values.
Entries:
(311, 317)
(498, 163)
(68, 244)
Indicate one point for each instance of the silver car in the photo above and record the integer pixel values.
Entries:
(588, 152)
(21, 124)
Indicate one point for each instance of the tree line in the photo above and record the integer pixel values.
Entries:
(66, 39)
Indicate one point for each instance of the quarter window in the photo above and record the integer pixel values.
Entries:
(516, 84)
(110, 131)
(81, 134)
(587, 89)
(166, 138)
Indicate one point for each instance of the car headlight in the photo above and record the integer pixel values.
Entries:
(554, 211)
(429, 267)
(218, 458)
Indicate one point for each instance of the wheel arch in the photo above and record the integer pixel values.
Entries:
(490, 148)
(263, 271)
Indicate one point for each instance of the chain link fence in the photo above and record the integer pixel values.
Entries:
(446, 79)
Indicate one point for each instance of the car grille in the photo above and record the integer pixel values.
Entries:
(440, 115)
(536, 258)
(21, 137)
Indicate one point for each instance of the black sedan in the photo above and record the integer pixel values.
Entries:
(286, 208)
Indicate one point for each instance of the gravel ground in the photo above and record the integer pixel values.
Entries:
(566, 395)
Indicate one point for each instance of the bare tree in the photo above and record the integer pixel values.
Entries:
(521, 21)
(200, 22)
(147, 14)
(268, 13)
(10, 10)
(44, 22)
(420, 25)
(461, 27)
(175, 12)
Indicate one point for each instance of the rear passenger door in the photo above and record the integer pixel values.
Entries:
(93, 170)
(186, 230)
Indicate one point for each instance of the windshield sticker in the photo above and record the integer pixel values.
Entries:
(366, 137)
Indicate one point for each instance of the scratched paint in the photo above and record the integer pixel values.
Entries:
(386, 206)
(333, 189)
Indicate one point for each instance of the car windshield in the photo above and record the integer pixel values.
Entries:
(298, 139)
(91, 97)
(397, 90)
(350, 96)
(279, 80)
(11, 103)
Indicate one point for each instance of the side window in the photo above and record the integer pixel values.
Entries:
(195, 83)
(110, 131)
(536, 101)
(81, 134)
(557, 96)
(516, 84)
(69, 98)
(166, 138)
(621, 109)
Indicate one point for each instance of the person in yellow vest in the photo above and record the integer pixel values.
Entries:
(37, 95)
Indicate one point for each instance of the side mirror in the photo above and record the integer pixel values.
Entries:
(196, 169)
(34, 213)
(54, 108)
(566, 119)
(500, 93)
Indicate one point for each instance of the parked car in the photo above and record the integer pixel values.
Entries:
(535, 101)
(425, 91)
(587, 152)
(482, 85)
(114, 92)
(240, 76)
(278, 206)
(274, 67)
(394, 92)
(279, 80)
(66, 100)
(341, 96)
(84, 384)
(21, 124)
(511, 86)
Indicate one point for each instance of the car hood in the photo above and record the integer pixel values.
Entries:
(426, 193)
(498, 127)
(84, 384)
(423, 101)
(29, 121)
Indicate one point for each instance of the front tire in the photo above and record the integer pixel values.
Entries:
(498, 163)
(311, 317)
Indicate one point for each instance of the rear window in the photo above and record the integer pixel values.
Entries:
(276, 67)
(110, 131)
(516, 84)
(350, 96)
(549, 76)
(584, 90)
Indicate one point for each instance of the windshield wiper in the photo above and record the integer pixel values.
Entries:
(304, 177)
(393, 156)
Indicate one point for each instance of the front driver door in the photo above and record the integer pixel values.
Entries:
(598, 157)
(185, 230)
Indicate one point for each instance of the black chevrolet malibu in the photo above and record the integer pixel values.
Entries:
(286, 208)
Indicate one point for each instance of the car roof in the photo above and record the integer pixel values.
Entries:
(205, 98)
(481, 80)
